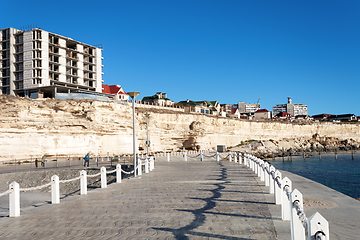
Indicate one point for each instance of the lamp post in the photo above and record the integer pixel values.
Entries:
(133, 95)
(147, 115)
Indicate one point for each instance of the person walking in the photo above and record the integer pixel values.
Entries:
(43, 161)
(87, 160)
(36, 162)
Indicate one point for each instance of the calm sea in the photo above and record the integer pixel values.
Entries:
(342, 174)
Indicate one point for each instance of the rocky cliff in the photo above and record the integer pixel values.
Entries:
(75, 127)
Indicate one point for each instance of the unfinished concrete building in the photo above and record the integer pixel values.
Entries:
(35, 62)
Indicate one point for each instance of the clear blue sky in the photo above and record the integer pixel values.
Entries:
(224, 50)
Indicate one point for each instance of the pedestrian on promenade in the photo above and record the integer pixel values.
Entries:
(87, 159)
(43, 161)
(36, 162)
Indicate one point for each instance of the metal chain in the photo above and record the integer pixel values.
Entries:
(35, 188)
(210, 155)
(111, 171)
(302, 216)
(69, 180)
(193, 156)
(222, 158)
(138, 166)
(287, 191)
(6, 192)
(95, 175)
(278, 182)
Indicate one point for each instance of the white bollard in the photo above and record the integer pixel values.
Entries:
(277, 188)
(230, 156)
(103, 177)
(118, 173)
(201, 156)
(235, 158)
(318, 226)
(168, 157)
(146, 165)
(83, 183)
(185, 157)
(240, 159)
(297, 228)
(286, 204)
(152, 165)
(217, 157)
(262, 171)
(139, 166)
(14, 200)
(55, 190)
(271, 179)
(266, 174)
(256, 167)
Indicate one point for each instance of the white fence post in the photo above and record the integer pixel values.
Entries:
(240, 160)
(118, 173)
(297, 228)
(271, 179)
(230, 156)
(266, 174)
(262, 170)
(55, 190)
(235, 157)
(83, 183)
(256, 167)
(146, 165)
(185, 157)
(318, 227)
(201, 156)
(217, 157)
(277, 188)
(103, 177)
(286, 204)
(152, 164)
(14, 200)
(168, 157)
(139, 166)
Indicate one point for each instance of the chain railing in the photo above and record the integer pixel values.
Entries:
(14, 188)
(314, 228)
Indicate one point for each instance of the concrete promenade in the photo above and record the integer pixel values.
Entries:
(178, 200)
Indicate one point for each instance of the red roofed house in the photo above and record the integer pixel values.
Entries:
(262, 114)
(284, 115)
(117, 91)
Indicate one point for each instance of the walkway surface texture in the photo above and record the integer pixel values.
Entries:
(178, 200)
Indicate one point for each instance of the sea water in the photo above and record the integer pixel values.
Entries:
(341, 174)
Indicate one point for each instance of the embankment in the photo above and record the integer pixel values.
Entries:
(31, 128)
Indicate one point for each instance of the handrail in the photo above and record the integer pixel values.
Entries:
(14, 189)
(314, 228)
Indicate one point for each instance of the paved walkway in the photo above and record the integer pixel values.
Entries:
(178, 200)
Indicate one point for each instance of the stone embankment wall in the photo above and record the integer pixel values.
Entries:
(32, 128)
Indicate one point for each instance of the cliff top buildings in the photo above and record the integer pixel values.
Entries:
(248, 108)
(291, 108)
(40, 62)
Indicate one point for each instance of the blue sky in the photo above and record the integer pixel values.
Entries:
(225, 50)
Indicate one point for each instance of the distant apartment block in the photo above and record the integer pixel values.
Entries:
(248, 108)
(294, 109)
(40, 62)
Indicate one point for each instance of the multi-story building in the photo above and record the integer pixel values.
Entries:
(249, 108)
(294, 109)
(40, 62)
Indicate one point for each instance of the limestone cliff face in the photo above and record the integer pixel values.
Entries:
(75, 127)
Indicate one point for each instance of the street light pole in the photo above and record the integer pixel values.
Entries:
(147, 115)
(133, 95)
